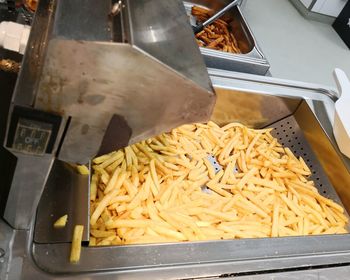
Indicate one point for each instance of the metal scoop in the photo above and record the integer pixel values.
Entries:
(198, 28)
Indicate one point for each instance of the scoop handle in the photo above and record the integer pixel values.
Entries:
(341, 127)
(343, 83)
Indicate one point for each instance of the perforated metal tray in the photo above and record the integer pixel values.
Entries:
(296, 127)
(289, 134)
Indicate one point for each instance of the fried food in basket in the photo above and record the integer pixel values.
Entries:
(217, 35)
(167, 189)
(31, 4)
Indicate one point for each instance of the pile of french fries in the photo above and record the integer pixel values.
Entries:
(216, 35)
(166, 189)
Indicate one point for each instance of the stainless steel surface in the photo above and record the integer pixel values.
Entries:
(34, 55)
(327, 273)
(252, 60)
(207, 259)
(325, 115)
(255, 94)
(289, 134)
(66, 192)
(169, 102)
(272, 86)
(6, 239)
(25, 267)
(251, 108)
(198, 259)
(89, 66)
(27, 186)
(334, 163)
(68, 24)
(161, 29)
(243, 3)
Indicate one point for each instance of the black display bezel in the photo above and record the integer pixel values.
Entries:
(35, 115)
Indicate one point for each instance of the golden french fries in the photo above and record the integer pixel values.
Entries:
(82, 169)
(61, 222)
(76, 244)
(166, 189)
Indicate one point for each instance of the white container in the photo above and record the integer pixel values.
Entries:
(329, 7)
(320, 10)
(14, 36)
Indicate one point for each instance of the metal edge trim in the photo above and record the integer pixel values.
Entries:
(304, 90)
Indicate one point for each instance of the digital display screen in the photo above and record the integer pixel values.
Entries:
(31, 136)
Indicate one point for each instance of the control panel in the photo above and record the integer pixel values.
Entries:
(32, 131)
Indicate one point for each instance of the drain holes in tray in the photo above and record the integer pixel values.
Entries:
(289, 136)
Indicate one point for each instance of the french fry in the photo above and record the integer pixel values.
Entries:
(83, 170)
(127, 223)
(93, 187)
(61, 222)
(101, 233)
(100, 159)
(114, 157)
(101, 206)
(247, 177)
(92, 241)
(76, 244)
(112, 181)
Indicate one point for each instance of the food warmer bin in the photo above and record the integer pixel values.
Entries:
(37, 251)
(252, 60)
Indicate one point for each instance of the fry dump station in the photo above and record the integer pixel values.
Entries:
(96, 78)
